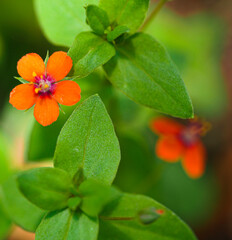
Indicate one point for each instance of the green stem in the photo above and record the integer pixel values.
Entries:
(117, 218)
(153, 14)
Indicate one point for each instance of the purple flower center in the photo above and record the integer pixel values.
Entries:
(44, 85)
(191, 134)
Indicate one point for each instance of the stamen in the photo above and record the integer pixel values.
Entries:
(37, 90)
(46, 86)
(34, 74)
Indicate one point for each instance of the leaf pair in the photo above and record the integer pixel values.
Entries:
(137, 65)
(52, 189)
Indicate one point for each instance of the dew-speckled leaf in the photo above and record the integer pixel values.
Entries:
(19, 209)
(62, 20)
(67, 225)
(88, 52)
(130, 13)
(47, 188)
(88, 141)
(143, 70)
(97, 19)
(167, 226)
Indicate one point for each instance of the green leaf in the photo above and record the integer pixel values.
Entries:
(73, 203)
(62, 20)
(143, 70)
(130, 13)
(5, 223)
(97, 19)
(88, 141)
(88, 52)
(18, 208)
(67, 225)
(5, 159)
(128, 207)
(48, 188)
(95, 196)
(117, 32)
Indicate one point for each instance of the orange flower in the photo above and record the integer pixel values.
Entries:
(44, 88)
(177, 141)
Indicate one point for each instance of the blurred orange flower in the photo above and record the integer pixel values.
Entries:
(177, 141)
(44, 88)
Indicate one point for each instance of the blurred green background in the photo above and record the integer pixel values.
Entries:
(196, 43)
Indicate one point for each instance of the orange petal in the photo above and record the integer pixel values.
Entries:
(23, 96)
(166, 126)
(168, 148)
(194, 160)
(59, 65)
(30, 65)
(46, 110)
(67, 93)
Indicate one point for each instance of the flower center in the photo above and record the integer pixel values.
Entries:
(44, 84)
(193, 131)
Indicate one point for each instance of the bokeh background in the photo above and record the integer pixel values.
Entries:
(198, 36)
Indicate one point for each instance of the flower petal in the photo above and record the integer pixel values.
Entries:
(194, 160)
(23, 96)
(67, 93)
(46, 110)
(59, 65)
(169, 149)
(163, 125)
(30, 66)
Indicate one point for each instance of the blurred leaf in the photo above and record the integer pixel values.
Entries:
(88, 141)
(130, 13)
(5, 169)
(97, 19)
(143, 70)
(19, 209)
(183, 195)
(136, 162)
(196, 44)
(62, 20)
(95, 196)
(168, 226)
(67, 225)
(117, 32)
(88, 52)
(47, 188)
(5, 223)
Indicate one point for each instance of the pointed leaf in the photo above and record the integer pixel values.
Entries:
(143, 70)
(128, 207)
(88, 52)
(48, 188)
(130, 13)
(62, 20)
(88, 141)
(117, 32)
(97, 19)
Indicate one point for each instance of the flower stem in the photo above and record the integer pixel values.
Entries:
(153, 14)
